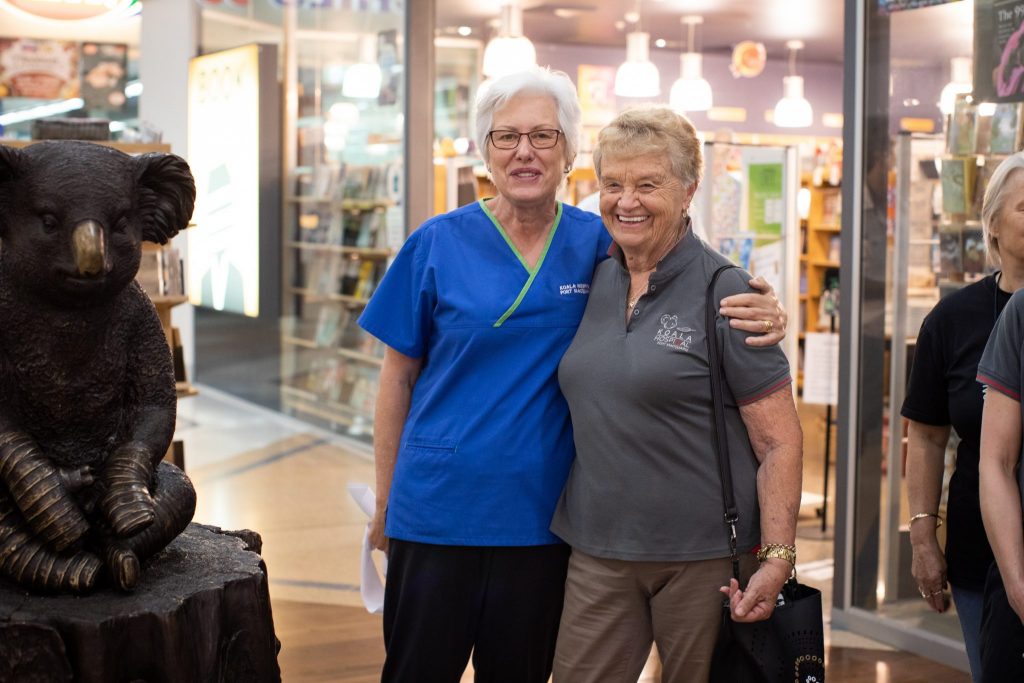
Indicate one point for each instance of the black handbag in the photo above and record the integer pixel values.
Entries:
(789, 646)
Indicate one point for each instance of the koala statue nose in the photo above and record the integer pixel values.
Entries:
(89, 245)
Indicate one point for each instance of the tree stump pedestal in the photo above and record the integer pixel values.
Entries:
(201, 613)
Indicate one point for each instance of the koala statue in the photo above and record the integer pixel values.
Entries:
(87, 391)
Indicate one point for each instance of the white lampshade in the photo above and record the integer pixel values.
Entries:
(363, 79)
(510, 50)
(961, 81)
(793, 110)
(690, 92)
(637, 77)
(507, 54)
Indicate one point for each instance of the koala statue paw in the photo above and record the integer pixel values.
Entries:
(124, 568)
(128, 509)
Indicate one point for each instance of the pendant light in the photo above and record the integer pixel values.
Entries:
(510, 50)
(362, 79)
(961, 81)
(793, 110)
(690, 92)
(637, 76)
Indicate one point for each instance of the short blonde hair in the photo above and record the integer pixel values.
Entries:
(648, 130)
(995, 198)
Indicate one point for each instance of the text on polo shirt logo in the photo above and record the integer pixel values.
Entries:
(574, 288)
(672, 335)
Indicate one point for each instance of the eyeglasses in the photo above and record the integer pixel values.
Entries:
(509, 139)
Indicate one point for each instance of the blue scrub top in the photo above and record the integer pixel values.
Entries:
(487, 444)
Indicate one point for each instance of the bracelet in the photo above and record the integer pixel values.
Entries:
(925, 515)
(779, 551)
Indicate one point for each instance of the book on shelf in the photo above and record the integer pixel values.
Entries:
(956, 175)
(962, 128)
(982, 175)
(322, 273)
(951, 264)
(1005, 134)
(367, 280)
(973, 249)
(160, 271)
(331, 319)
(350, 277)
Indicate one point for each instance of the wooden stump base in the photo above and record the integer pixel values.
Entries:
(201, 613)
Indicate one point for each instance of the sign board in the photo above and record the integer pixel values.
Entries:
(889, 6)
(821, 368)
(224, 153)
(42, 69)
(998, 35)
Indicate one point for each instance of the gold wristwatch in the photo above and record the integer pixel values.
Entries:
(779, 551)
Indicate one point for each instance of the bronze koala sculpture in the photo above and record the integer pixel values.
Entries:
(87, 392)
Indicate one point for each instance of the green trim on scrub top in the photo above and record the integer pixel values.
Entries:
(536, 269)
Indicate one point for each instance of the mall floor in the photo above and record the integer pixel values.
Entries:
(260, 470)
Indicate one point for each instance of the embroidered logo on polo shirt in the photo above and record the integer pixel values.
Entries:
(672, 335)
(574, 288)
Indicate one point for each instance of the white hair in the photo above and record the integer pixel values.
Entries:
(995, 199)
(495, 94)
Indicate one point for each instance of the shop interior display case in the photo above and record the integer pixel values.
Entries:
(343, 219)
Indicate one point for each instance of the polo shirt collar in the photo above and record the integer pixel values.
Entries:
(674, 262)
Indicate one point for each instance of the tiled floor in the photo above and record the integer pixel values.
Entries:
(261, 470)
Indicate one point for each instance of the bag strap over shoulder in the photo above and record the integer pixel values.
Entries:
(718, 434)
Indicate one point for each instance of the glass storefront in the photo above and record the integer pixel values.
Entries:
(907, 241)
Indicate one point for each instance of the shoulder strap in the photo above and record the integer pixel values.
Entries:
(718, 434)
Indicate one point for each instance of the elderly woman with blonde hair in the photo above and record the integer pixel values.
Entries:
(642, 508)
(943, 396)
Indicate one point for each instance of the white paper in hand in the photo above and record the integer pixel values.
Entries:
(371, 585)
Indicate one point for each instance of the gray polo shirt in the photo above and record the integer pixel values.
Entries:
(645, 483)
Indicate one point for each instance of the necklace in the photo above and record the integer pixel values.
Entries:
(630, 303)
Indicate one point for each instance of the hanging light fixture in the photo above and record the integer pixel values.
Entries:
(690, 92)
(510, 50)
(793, 110)
(637, 76)
(961, 81)
(363, 79)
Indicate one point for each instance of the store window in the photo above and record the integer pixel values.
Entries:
(925, 148)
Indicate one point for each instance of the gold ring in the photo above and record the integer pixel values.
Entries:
(768, 326)
(935, 593)
(924, 594)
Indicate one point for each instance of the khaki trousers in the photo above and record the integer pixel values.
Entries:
(615, 609)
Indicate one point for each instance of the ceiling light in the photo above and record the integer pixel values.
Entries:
(510, 50)
(362, 79)
(637, 76)
(961, 81)
(793, 110)
(465, 31)
(41, 111)
(690, 92)
(660, 42)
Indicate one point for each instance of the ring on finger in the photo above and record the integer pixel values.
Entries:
(923, 592)
(768, 326)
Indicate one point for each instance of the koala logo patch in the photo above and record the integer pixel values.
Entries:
(672, 335)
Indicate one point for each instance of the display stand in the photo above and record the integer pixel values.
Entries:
(201, 612)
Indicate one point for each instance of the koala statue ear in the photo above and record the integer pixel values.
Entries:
(10, 160)
(166, 195)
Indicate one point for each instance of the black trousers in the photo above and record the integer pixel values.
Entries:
(1002, 634)
(442, 602)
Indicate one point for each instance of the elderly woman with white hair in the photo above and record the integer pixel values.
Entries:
(1001, 476)
(472, 437)
(942, 394)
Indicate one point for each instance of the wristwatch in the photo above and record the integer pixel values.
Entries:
(777, 550)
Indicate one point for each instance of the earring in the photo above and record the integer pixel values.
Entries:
(568, 167)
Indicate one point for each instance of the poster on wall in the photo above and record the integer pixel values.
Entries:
(42, 69)
(104, 72)
(890, 6)
(999, 50)
(765, 201)
(223, 151)
(596, 86)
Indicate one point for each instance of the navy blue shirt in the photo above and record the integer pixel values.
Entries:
(487, 444)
